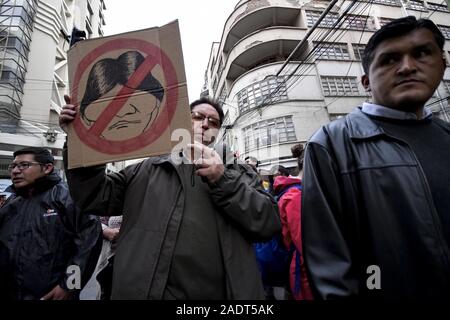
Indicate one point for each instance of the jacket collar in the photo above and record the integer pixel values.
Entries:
(165, 158)
(175, 158)
(360, 126)
(381, 111)
(40, 185)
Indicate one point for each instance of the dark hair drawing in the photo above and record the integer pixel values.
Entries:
(107, 73)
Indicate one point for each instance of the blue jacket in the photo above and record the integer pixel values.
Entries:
(41, 235)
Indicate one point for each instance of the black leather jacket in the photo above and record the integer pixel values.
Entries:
(366, 202)
(41, 235)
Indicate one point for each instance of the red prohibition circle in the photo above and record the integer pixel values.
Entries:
(156, 56)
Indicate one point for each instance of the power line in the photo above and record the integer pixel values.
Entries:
(337, 24)
(323, 35)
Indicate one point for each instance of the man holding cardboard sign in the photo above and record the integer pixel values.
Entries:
(132, 94)
(188, 223)
(189, 219)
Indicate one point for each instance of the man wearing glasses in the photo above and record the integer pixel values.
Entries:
(188, 222)
(45, 244)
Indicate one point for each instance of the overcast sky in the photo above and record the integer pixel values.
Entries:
(201, 23)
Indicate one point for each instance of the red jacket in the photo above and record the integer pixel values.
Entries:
(290, 213)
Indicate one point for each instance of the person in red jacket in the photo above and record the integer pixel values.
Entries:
(289, 194)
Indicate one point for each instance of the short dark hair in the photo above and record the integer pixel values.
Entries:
(252, 159)
(298, 151)
(41, 155)
(398, 28)
(215, 104)
(279, 169)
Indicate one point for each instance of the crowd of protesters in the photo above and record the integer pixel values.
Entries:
(365, 214)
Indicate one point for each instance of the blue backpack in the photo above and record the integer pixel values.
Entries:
(273, 261)
(274, 258)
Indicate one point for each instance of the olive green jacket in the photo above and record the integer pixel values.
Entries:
(151, 197)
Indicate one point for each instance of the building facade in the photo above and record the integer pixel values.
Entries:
(271, 105)
(34, 40)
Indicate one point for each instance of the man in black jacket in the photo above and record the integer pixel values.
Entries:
(47, 250)
(376, 198)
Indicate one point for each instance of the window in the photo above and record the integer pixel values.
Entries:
(89, 7)
(357, 22)
(437, 7)
(416, 5)
(223, 94)
(17, 18)
(269, 132)
(445, 31)
(269, 90)
(358, 50)
(388, 2)
(212, 65)
(220, 68)
(88, 29)
(339, 86)
(328, 21)
(331, 51)
(215, 84)
(447, 85)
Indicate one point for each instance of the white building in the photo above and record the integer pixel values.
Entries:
(34, 40)
(270, 108)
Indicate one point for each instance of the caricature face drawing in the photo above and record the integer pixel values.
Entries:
(140, 109)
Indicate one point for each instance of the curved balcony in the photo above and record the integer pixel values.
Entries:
(250, 16)
(260, 47)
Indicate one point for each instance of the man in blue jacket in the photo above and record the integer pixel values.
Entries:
(376, 197)
(47, 249)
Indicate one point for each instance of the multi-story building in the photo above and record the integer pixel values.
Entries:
(34, 40)
(272, 102)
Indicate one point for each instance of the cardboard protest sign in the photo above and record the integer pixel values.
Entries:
(131, 93)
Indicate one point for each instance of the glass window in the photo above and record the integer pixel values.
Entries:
(388, 2)
(358, 50)
(269, 132)
(17, 19)
(339, 86)
(223, 94)
(445, 31)
(328, 21)
(447, 85)
(331, 51)
(437, 7)
(416, 5)
(357, 22)
(266, 91)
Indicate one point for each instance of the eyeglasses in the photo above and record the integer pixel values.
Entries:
(22, 165)
(213, 122)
